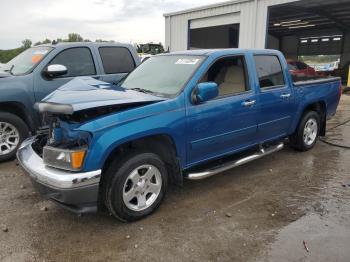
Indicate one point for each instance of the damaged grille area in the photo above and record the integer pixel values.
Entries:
(60, 134)
(39, 144)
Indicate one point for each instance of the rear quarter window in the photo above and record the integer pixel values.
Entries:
(269, 71)
(116, 60)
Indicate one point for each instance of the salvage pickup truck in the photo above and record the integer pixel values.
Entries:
(39, 70)
(190, 114)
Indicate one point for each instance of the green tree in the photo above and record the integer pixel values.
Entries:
(46, 41)
(26, 43)
(73, 37)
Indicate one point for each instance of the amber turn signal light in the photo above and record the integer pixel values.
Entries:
(77, 159)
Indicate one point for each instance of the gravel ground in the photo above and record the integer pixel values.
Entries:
(288, 206)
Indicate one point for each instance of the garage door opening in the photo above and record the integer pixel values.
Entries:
(224, 36)
(314, 32)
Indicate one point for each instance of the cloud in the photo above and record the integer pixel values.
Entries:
(120, 20)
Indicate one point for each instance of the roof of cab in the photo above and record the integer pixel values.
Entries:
(209, 52)
(73, 44)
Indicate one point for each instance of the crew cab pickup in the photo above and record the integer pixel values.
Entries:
(38, 71)
(190, 114)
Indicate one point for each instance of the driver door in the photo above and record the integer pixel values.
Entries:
(227, 123)
(79, 62)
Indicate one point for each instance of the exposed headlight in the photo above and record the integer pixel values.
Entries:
(64, 158)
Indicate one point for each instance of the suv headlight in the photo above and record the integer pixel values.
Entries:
(68, 159)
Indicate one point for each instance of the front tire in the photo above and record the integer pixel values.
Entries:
(307, 132)
(135, 185)
(13, 130)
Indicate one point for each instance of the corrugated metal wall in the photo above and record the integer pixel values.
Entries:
(253, 19)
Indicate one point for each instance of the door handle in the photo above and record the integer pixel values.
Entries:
(284, 96)
(248, 103)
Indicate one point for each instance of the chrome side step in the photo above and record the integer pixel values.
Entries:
(221, 168)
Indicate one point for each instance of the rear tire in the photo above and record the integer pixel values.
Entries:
(305, 137)
(135, 185)
(13, 130)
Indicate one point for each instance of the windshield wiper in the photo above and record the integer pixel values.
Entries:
(146, 91)
(10, 71)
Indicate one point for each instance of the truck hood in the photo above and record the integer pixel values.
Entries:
(86, 93)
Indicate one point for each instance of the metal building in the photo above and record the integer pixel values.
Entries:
(296, 27)
(250, 16)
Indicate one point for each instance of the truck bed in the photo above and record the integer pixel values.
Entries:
(322, 89)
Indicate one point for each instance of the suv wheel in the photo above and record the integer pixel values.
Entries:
(135, 185)
(307, 132)
(13, 130)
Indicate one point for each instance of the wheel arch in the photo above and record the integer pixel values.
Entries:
(19, 110)
(161, 144)
(321, 108)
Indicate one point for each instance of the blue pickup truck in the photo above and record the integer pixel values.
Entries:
(190, 114)
(39, 70)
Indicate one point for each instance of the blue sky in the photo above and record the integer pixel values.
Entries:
(120, 20)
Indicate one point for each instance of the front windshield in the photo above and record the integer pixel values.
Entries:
(163, 75)
(26, 61)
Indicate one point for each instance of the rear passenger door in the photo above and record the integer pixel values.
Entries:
(275, 98)
(116, 63)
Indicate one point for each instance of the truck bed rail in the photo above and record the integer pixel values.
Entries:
(316, 81)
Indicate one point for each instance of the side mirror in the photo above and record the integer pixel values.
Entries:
(53, 71)
(204, 92)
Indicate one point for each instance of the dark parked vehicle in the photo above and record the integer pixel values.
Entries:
(38, 71)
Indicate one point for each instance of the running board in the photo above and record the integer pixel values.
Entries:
(221, 168)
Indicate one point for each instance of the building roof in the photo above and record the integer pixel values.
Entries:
(232, 2)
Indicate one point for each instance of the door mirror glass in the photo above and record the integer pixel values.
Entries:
(204, 92)
(53, 71)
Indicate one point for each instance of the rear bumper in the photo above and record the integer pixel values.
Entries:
(77, 192)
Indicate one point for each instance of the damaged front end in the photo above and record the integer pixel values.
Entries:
(62, 146)
(54, 160)
(56, 157)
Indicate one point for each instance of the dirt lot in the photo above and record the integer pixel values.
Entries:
(262, 211)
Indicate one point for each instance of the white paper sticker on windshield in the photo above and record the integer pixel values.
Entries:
(187, 61)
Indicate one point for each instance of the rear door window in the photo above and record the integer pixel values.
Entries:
(78, 61)
(116, 60)
(269, 71)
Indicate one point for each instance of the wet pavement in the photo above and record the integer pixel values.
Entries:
(262, 211)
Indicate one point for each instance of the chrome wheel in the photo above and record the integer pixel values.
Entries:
(9, 138)
(310, 131)
(142, 187)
